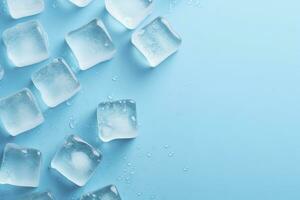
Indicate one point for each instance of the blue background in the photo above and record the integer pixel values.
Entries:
(218, 121)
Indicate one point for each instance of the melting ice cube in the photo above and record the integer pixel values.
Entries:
(24, 8)
(109, 192)
(156, 41)
(81, 3)
(39, 196)
(26, 43)
(76, 160)
(20, 166)
(91, 44)
(20, 112)
(56, 82)
(131, 12)
(117, 120)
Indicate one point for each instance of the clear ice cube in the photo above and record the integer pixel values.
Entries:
(131, 12)
(109, 192)
(81, 3)
(76, 160)
(20, 166)
(156, 41)
(56, 82)
(20, 112)
(39, 196)
(26, 43)
(23, 8)
(117, 120)
(91, 44)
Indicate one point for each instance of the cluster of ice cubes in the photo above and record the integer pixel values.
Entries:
(27, 44)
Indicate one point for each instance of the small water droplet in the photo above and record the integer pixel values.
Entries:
(114, 78)
(171, 154)
(72, 123)
(149, 155)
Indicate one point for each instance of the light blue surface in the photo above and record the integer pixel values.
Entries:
(226, 105)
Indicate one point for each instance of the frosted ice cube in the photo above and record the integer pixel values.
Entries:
(109, 192)
(117, 120)
(20, 112)
(39, 196)
(2, 72)
(20, 166)
(91, 44)
(156, 41)
(81, 3)
(131, 12)
(56, 82)
(23, 8)
(76, 160)
(26, 43)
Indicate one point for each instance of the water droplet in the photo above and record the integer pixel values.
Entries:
(149, 155)
(171, 154)
(138, 194)
(72, 123)
(115, 78)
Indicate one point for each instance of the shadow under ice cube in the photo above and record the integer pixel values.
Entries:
(156, 41)
(39, 196)
(117, 120)
(76, 160)
(20, 166)
(26, 43)
(109, 192)
(23, 8)
(91, 44)
(20, 112)
(131, 12)
(56, 82)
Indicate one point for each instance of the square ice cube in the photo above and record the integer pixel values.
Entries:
(56, 82)
(91, 44)
(20, 166)
(23, 8)
(26, 43)
(76, 160)
(81, 3)
(117, 120)
(39, 196)
(20, 112)
(109, 192)
(156, 41)
(131, 12)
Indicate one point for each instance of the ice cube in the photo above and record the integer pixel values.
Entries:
(20, 112)
(39, 196)
(76, 160)
(109, 192)
(2, 72)
(131, 12)
(23, 8)
(156, 41)
(81, 3)
(20, 166)
(26, 43)
(56, 82)
(117, 120)
(91, 44)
